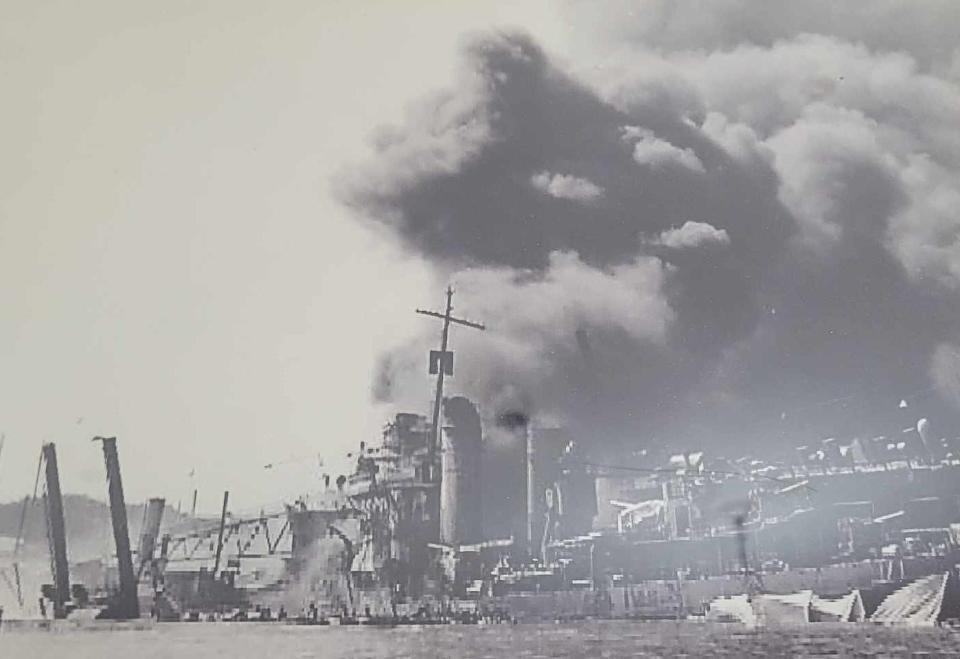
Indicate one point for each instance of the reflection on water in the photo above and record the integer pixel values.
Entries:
(586, 639)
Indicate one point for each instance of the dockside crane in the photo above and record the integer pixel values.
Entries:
(125, 605)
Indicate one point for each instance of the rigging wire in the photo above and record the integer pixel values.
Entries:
(28, 504)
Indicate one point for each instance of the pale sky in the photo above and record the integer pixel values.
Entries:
(174, 270)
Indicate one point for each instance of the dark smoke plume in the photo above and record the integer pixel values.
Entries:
(700, 248)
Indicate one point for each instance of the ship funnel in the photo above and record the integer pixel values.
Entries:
(460, 507)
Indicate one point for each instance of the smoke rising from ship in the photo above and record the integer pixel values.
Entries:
(672, 252)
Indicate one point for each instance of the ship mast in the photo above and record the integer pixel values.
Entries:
(441, 363)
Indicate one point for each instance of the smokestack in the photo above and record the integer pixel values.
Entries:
(460, 507)
(126, 605)
(509, 465)
(56, 532)
(545, 448)
(152, 516)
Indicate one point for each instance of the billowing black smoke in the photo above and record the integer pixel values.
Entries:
(659, 260)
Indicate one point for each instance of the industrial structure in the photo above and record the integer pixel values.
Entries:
(439, 517)
(125, 604)
(56, 532)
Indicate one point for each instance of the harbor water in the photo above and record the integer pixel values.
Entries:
(581, 639)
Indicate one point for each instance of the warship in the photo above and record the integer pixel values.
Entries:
(418, 532)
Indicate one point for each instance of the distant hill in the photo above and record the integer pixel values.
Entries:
(89, 530)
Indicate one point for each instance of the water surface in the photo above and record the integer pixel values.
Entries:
(586, 639)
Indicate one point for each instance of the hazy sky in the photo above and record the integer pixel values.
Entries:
(174, 271)
(729, 225)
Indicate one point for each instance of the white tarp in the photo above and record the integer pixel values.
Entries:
(848, 608)
(915, 605)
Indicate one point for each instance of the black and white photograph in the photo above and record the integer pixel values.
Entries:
(342, 329)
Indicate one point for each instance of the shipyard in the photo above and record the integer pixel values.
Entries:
(866, 531)
(475, 329)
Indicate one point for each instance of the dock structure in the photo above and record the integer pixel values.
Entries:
(503, 510)
(126, 605)
(149, 533)
(56, 531)
(223, 522)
